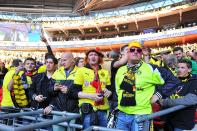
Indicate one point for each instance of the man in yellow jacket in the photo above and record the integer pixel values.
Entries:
(92, 87)
(135, 87)
(59, 88)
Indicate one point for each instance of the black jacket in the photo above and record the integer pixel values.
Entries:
(186, 94)
(170, 82)
(63, 102)
(40, 86)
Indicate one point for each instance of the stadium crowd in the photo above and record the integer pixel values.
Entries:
(131, 80)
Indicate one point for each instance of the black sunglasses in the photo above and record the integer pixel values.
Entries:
(133, 50)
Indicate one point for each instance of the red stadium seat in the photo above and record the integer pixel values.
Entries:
(196, 117)
(158, 122)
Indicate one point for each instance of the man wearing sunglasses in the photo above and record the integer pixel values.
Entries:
(135, 87)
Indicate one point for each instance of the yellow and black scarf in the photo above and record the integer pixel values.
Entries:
(185, 79)
(18, 94)
(128, 86)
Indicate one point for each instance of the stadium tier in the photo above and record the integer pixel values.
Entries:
(165, 38)
(172, 24)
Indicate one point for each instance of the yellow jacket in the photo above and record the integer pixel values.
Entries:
(42, 69)
(60, 74)
(84, 77)
(145, 80)
(7, 100)
(155, 62)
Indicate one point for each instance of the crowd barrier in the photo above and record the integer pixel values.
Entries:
(9, 119)
(159, 113)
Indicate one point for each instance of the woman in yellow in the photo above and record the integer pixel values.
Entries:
(92, 87)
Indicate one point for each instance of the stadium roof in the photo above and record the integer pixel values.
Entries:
(60, 10)
(84, 6)
(62, 6)
(38, 6)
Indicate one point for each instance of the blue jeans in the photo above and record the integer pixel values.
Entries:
(177, 129)
(127, 122)
(102, 118)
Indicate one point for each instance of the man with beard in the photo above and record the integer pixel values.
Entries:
(92, 87)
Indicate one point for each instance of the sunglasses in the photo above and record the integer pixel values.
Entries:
(133, 50)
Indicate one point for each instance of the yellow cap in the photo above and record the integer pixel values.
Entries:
(135, 44)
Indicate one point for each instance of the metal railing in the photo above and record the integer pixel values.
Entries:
(11, 115)
(159, 113)
(29, 114)
(46, 123)
(39, 122)
(42, 122)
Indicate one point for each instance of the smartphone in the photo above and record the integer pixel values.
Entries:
(101, 95)
(58, 82)
(44, 98)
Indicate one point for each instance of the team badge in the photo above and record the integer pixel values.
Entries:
(86, 83)
(102, 74)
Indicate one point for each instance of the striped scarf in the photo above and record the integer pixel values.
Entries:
(18, 94)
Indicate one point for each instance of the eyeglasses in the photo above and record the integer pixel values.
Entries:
(133, 50)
